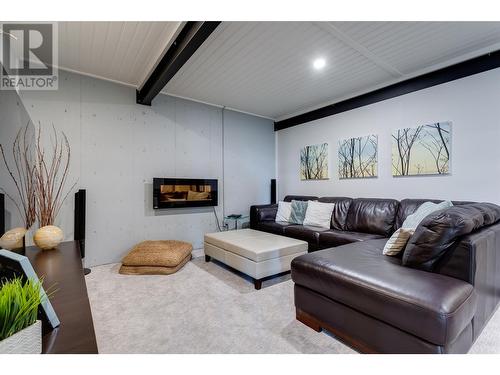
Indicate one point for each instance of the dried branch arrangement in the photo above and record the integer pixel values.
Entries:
(23, 174)
(39, 177)
(51, 173)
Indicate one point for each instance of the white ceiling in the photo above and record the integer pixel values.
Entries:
(265, 68)
(119, 51)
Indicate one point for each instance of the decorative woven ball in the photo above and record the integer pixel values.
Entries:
(13, 239)
(48, 237)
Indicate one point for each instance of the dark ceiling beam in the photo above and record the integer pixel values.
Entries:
(450, 73)
(189, 39)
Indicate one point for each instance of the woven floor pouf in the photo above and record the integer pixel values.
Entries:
(156, 258)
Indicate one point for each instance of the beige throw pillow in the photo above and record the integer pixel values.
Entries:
(398, 241)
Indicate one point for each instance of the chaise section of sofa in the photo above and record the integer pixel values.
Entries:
(427, 312)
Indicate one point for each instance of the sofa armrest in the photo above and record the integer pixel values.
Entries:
(265, 212)
(476, 260)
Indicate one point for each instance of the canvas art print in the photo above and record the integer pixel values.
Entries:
(314, 162)
(424, 150)
(358, 157)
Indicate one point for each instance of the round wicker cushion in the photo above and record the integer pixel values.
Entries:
(168, 253)
(153, 270)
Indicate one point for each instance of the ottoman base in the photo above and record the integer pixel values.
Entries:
(256, 282)
(259, 271)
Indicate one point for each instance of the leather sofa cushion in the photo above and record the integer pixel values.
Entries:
(304, 232)
(265, 212)
(409, 206)
(374, 216)
(290, 198)
(433, 307)
(276, 227)
(332, 238)
(339, 216)
(438, 232)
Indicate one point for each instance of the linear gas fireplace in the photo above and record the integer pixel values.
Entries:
(184, 192)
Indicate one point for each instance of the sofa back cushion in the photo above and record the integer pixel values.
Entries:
(339, 216)
(290, 198)
(409, 206)
(425, 209)
(438, 232)
(372, 215)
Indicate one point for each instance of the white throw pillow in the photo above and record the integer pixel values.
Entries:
(284, 211)
(319, 214)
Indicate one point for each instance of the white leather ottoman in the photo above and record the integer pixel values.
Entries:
(255, 253)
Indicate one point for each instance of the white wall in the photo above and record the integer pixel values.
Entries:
(13, 116)
(473, 106)
(249, 156)
(119, 146)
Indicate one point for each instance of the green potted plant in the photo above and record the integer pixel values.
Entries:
(20, 331)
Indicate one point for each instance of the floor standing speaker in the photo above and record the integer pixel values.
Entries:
(2, 214)
(80, 205)
(273, 191)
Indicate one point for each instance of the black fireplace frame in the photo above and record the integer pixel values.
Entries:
(158, 204)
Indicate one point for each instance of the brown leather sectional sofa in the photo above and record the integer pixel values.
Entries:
(380, 304)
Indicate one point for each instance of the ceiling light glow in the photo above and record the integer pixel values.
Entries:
(319, 63)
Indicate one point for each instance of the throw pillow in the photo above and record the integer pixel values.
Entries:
(422, 211)
(284, 211)
(319, 214)
(400, 238)
(398, 241)
(439, 231)
(298, 214)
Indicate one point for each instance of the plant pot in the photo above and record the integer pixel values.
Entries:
(48, 237)
(26, 341)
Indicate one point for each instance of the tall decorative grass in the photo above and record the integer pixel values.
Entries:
(18, 305)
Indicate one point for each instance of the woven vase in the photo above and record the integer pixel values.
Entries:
(26, 341)
(48, 237)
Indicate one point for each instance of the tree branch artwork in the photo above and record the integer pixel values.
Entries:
(424, 150)
(358, 157)
(314, 162)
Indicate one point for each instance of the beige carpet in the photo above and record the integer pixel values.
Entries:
(206, 308)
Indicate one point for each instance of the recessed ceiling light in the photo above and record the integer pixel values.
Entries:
(319, 63)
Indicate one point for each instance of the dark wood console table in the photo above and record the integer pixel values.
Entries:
(63, 267)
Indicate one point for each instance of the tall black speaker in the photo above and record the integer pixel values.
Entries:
(273, 191)
(80, 204)
(2, 214)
